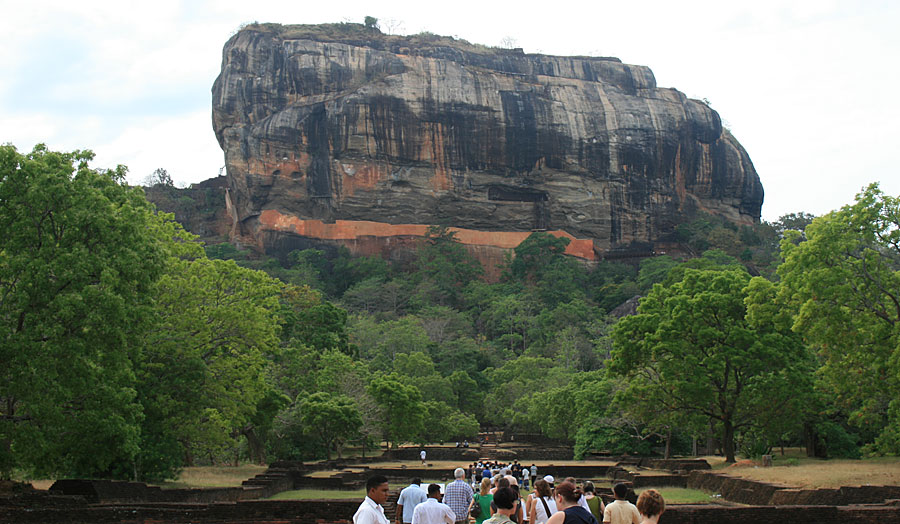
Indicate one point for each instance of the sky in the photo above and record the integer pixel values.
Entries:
(809, 87)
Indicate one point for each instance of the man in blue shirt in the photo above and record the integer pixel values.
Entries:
(410, 497)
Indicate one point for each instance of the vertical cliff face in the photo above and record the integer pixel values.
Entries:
(341, 134)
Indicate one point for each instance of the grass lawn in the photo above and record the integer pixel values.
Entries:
(214, 476)
(682, 495)
(320, 494)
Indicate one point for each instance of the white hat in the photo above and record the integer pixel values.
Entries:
(548, 478)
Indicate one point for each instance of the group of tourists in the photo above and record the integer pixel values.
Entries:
(490, 469)
(498, 500)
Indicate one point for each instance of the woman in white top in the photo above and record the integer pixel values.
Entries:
(536, 508)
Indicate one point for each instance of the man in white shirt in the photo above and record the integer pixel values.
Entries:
(432, 511)
(422, 456)
(370, 510)
(410, 497)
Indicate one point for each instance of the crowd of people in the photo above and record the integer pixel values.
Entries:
(495, 496)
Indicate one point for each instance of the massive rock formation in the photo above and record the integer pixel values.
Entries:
(341, 134)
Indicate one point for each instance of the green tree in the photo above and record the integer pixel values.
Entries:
(200, 376)
(694, 347)
(78, 261)
(445, 265)
(844, 282)
(381, 342)
(445, 423)
(402, 410)
(333, 420)
(540, 262)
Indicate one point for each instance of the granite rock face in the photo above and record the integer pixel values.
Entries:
(342, 134)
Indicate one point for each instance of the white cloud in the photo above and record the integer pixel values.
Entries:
(185, 146)
(807, 86)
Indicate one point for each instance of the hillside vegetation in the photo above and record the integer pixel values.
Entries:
(133, 351)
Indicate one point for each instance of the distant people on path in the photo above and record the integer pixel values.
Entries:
(595, 503)
(432, 511)
(526, 473)
(422, 456)
(410, 497)
(651, 506)
(540, 504)
(486, 472)
(620, 511)
(458, 495)
(483, 500)
(370, 510)
(505, 502)
(569, 511)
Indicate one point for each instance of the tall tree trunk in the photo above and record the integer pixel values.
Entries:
(728, 440)
(668, 454)
(256, 448)
(188, 456)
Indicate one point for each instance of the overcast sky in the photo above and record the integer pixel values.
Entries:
(808, 87)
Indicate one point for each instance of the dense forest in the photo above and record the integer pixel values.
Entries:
(131, 350)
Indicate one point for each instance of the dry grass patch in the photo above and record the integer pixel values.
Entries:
(827, 473)
(214, 476)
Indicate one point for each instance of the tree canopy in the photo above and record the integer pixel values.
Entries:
(78, 263)
(692, 349)
(844, 281)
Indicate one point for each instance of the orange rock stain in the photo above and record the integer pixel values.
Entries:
(350, 230)
(441, 179)
(365, 177)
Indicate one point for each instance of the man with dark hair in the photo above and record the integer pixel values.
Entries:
(370, 510)
(620, 511)
(432, 511)
(505, 502)
(410, 497)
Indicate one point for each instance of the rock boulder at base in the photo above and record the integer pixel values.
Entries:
(340, 134)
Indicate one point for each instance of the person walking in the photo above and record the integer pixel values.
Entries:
(422, 456)
(620, 511)
(483, 500)
(458, 495)
(410, 497)
(371, 510)
(505, 502)
(569, 511)
(651, 506)
(541, 505)
(595, 503)
(433, 511)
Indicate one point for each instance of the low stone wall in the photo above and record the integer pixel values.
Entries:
(341, 512)
(674, 464)
(747, 491)
(114, 491)
(464, 455)
(532, 454)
